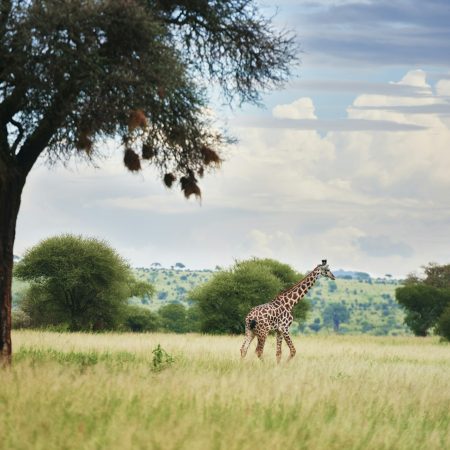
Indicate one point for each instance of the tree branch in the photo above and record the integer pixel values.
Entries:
(36, 143)
(19, 137)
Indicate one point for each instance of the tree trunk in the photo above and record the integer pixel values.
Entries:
(11, 185)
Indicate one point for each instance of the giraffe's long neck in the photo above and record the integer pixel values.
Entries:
(293, 295)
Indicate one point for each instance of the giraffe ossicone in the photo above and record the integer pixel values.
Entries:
(277, 314)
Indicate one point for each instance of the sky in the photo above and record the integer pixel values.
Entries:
(349, 162)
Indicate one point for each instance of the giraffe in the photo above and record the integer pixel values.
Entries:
(277, 314)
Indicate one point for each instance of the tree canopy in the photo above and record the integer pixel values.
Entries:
(226, 299)
(74, 73)
(424, 305)
(425, 298)
(334, 314)
(80, 282)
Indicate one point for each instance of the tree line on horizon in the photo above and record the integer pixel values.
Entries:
(82, 284)
(426, 301)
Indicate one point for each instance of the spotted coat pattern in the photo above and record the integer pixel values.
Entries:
(277, 314)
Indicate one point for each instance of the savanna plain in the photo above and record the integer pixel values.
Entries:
(122, 391)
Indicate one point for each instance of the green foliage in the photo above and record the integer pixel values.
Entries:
(371, 304)
(437, 276)
(161, 359)
(81, 282)
(423, 304)
(139, 319)
(443, 326)
(332, 286)
(334, 314)
(99, 60)
(174, 318)
(225, 300)
(20, 319)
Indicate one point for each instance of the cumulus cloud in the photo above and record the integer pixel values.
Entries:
(303, 108)
(368, 199)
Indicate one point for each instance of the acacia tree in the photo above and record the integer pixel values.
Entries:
(75, 72)
(225, 300)
(79, 282)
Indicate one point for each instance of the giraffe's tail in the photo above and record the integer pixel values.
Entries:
(252, 324)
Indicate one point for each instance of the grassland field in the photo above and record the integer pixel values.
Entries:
(110, 391)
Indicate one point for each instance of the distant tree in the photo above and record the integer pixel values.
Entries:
(316, 325)
(423, 304)
(179, 265)
(227, 297)
(81, 282)
(332, 286)
(335, 314)
(174, 318)
(162, 295)
(74, 72)
(443, 325)
(20, 319)
(362, 276)
(193, 319)
(139, 319)
(437, 275)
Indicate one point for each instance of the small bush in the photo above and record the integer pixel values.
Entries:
(161, 359)
(139, 319)
(20, 319)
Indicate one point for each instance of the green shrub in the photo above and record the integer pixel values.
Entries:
(443, 326)
(139, 319)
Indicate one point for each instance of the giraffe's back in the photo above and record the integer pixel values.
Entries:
(268, 317)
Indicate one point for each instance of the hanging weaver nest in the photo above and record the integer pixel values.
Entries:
(137, 119)
(168, 179)
(189, 186)
(210, 156)
(131, 160)
(84, 142)
(201, 172)
(148, 152)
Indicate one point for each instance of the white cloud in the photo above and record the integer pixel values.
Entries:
(443, 88)
(417, 78)
(291, 194)
(303, 108)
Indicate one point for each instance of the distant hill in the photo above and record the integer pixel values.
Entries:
(369, 303)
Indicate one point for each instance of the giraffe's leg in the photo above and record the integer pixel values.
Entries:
(289, 343)
(260, 347)
(279, 342)
(249, 335)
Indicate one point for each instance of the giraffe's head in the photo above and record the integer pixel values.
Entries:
(324, 270)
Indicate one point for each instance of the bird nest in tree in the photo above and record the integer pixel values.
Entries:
(131, 160)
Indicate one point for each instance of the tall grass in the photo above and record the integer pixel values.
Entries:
(85, 391)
